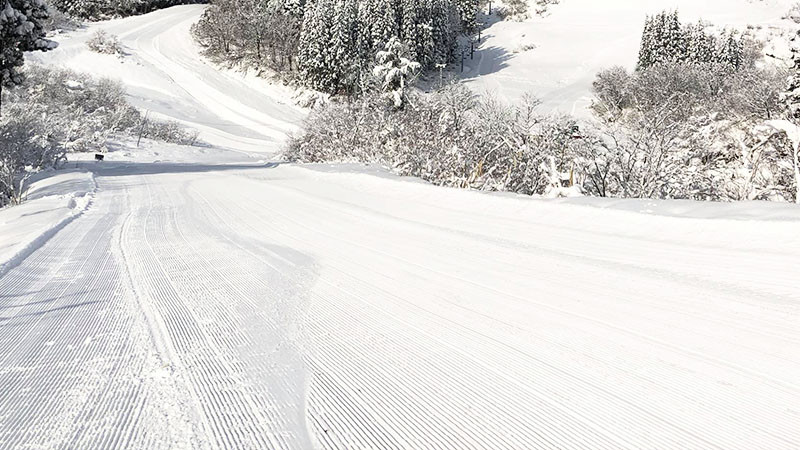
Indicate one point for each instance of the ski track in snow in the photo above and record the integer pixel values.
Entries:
(252, 306)
(283, 308)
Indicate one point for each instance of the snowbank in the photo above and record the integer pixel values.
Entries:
(573, 209)
(53, 202)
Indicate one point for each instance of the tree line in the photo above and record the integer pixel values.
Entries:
(330, 45)
(666, 39)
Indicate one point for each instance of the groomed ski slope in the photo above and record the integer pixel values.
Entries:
(205, 300)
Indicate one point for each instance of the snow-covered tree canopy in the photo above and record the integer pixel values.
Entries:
(666, 39)
(20, 31)
(340, 38)
(335, 49)
(395, 71)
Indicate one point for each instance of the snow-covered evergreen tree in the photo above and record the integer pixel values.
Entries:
(731, 50)
(468, 12)
(648, 45)
(295, 8)
(20, 31)
(665, 39)
(384, 23)
(395, 71)
(675, 37)
(445, 28)
(339, 38)
(314, 52)
(344, 61)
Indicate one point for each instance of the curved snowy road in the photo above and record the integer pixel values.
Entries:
(210, 304)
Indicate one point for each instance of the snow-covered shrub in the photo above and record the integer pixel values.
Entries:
(25, 149)
(103, 42)
(58, 21)
(82, 111)
(449, 138)
(516, 10)
(794, 13)
(56, 111)
(519, 10)
(688, 130)
(169, 131)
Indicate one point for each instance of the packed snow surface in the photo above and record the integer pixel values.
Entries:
(206, 298)
(52, 202)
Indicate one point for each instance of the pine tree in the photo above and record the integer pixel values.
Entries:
(294, 8)
(395, 72)
(665, 39)
(647, 47)
(445, 30)
(706, 46)
(468, 12)
(20, 31)
(731, 51)
(385, 22)
(345, 64)
(675, 45)
(340, 38)
(314, 51)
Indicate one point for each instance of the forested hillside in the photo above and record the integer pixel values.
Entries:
(331, 45)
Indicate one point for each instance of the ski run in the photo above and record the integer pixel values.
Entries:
(204, 297)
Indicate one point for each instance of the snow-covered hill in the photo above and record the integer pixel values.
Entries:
(209, 299)
(557, 56)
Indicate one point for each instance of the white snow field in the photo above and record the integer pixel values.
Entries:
(206, 299)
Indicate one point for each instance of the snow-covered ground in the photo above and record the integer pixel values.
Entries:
(557, 57)
(207, 298)
(52, 202)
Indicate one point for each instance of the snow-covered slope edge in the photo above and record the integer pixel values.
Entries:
(53, 202)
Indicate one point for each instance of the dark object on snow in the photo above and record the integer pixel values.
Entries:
(99, 157)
